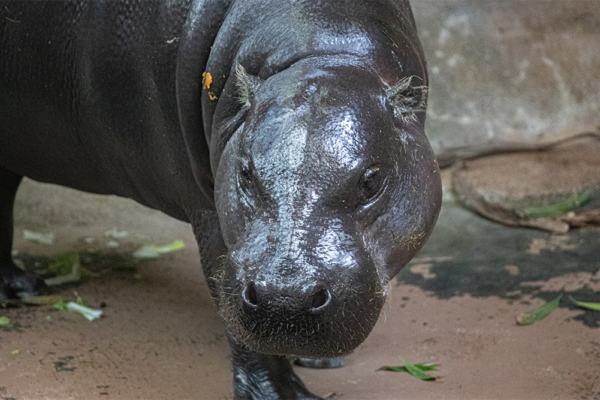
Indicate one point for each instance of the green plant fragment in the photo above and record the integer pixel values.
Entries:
(529, 317)
(62, 264)
(416, 370)
(4, 321)
(402, 368)
(151, 251)
(589, 306)
(89, 313)
(67, 267)
(61, 305)
(559, 208)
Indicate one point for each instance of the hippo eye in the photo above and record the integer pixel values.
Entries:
(370, 184)
(246, 178)
(246, 175)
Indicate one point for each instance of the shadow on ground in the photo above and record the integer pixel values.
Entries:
(468, 254)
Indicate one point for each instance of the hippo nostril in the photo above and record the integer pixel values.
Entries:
(320, 299)
(249, 295)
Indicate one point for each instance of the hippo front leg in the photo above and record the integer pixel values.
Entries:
(264, 376)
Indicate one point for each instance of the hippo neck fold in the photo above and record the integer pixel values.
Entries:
(201, 27)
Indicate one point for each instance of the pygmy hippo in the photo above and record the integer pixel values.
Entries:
(289, 133)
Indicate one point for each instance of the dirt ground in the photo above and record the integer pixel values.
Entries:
(160, 337)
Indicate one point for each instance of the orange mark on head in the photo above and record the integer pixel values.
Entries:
(206, 80)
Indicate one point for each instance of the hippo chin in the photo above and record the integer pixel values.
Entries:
(288, 133)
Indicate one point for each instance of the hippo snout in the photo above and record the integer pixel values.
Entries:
(308, 313)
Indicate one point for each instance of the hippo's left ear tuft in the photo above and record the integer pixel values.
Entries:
(247, 85)
(407, 99)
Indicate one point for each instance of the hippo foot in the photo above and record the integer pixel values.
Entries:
(13, 282)
(320, 363)
(263, 376)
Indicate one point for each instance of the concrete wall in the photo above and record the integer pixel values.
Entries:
(510, 69)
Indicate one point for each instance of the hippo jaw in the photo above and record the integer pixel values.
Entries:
(324, 192)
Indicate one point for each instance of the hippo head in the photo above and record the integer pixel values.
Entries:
(325, 189)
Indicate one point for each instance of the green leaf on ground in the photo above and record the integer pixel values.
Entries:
(62, 264)
(529, 317)
(416, 370)
(4, 321)
(61, 305)
(559, 208)
(67, 268)
(402, 368)
(151, 251)
(87, 312)
(589, 306)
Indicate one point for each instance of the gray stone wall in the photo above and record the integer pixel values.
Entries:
(510, 69)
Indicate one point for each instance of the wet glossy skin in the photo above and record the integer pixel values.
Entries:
(303, 225)
(301, 164)
(319, 195)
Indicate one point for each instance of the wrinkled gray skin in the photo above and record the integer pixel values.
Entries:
(303, 166)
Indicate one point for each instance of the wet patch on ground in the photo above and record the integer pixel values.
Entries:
(467, 254)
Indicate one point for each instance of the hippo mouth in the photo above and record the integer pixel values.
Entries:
(341, 321)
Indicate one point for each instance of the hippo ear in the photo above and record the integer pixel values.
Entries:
(407, 99)
(247, 85)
